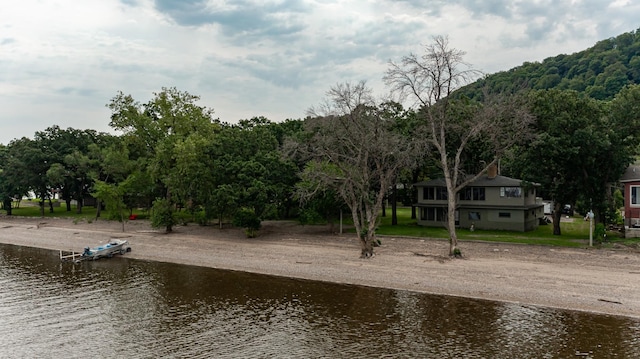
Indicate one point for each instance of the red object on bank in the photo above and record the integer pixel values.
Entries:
(133, 216)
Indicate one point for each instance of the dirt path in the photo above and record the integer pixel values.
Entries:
(596, 280)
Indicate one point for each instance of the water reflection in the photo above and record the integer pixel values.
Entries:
(137, 309)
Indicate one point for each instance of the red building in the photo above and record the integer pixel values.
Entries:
(631, 182)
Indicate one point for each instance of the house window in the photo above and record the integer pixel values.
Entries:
(437, 193)
(428, 193)
(504, 214)
(635, 195)
(434, 214)
(428, 214)
(511, 192)
(472, 194)
(474, 216)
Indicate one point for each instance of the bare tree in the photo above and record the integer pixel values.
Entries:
(451, 125)
(353, 149)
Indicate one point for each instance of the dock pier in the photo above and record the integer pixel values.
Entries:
(70, 255)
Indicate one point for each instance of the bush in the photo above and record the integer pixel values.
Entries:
(201, 217)
(247, 219)
(309, 216)
(599, 233)
(162, 214)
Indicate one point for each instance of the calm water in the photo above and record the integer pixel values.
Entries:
(122, 308)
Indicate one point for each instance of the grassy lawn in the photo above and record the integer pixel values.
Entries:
(574, 234)
(31, 209)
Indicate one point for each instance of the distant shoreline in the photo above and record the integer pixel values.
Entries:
(591, 280)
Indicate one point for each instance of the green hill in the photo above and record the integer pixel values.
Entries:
(600, 71)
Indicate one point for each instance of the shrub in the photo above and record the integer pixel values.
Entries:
(599, 233)
(247, 219)
(309, 216)
(162, 214)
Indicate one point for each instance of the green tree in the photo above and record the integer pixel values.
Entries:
(564, 124)
(8, 188)
(112, 195)
(248, 171)
(67, 152)
(27, 166)
(160, 128)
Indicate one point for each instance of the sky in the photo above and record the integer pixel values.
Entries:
(62, 61)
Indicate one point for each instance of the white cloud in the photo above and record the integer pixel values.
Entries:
(61, 62)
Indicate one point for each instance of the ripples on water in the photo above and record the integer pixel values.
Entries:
(123, 308)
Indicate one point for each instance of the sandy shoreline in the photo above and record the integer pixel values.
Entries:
(595, 280)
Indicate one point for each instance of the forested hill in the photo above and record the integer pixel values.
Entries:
(600, 71)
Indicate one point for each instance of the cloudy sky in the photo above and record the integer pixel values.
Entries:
(61, 61)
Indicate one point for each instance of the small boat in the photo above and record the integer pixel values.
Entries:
(115, 246)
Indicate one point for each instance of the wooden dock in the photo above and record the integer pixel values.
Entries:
(71, 256)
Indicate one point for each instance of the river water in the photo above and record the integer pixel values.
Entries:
(123, 308)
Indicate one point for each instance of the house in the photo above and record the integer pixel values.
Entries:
(631, 181)
(491, 202)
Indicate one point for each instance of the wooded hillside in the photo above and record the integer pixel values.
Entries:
(600, 71)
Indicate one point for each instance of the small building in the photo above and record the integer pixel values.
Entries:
(491, 202)
(631, 181)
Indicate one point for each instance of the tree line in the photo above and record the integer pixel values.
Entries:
(350, 152)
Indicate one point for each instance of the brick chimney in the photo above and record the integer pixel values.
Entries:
(492, 171)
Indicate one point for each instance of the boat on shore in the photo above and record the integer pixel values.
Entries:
(115, 246)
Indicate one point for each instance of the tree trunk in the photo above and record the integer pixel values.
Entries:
(7, 206)
(557, 214)
(42, 207)
(451, 224)
(414, 194)
(50, 205)
(394, 206)
(79, 205)
(366, 242)
(169, 228)
(68, 203)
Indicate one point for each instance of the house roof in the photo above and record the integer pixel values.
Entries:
(631, 174)
(482, 181)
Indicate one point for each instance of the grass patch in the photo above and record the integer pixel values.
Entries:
(88, 213)
(58, 212)
(574, 234)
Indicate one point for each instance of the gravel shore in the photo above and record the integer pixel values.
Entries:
(595, 280)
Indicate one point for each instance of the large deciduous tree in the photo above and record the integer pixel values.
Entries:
(66, 152)
(9, 186)
(450, 126)
(352, 148)
(163, 127)
(27, 168)
(582, 146)
(565, 122)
